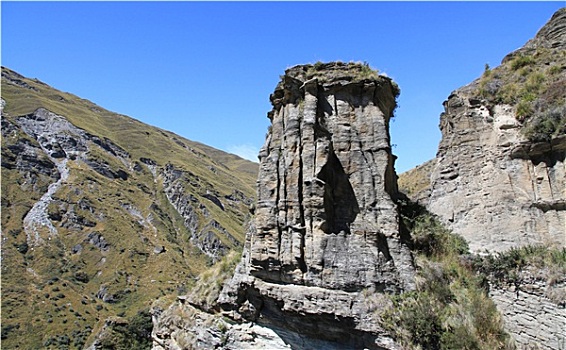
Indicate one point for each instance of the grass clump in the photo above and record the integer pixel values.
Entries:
(522, 61)
(354, 71)
(546, 125)
(209, 284)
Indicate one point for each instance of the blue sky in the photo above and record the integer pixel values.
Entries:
(204, 70)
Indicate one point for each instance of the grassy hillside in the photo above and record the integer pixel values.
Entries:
(415, 182)
(130, 220)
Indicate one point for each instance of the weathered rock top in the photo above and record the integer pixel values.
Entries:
(329, 77)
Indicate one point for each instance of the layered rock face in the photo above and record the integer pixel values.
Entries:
(325, 215)
(534, 312)
(326, 227)
(493, 184)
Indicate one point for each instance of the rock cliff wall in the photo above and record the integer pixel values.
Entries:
(500, 177)
(326, 227)
(489, 191)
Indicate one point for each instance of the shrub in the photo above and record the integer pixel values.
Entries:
(450, 308)
(522, 61)
(506, 267)
(543, 127)
(141, 326)
(133, 334)
(429, 235)
(418, 315)
(22, 248)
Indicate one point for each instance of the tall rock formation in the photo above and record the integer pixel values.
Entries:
(326, 228)
(500, 177)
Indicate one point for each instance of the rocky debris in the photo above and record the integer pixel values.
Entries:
(14, 78)
(492, 184)
(109, 146)
(151, 164)
(145, 221)
(25, 155)
(326, 226)
(237, 197)
(104, 295)
(61, 139)
(106, 332)
(59, 142)
(106, 170)
(211, 197)
(182, 326)
(77, 249)
(37, 217)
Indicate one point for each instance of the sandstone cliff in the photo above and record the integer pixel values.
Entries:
(325, 215)
(500, 176)
(326, 230)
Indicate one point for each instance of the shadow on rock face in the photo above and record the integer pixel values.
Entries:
(340, 203)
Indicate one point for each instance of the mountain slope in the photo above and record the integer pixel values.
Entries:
(102, 214)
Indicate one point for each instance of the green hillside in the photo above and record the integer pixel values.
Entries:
(134, 213)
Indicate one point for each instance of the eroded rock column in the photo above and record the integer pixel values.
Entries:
(326, 226)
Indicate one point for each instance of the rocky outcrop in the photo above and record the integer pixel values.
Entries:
(60, 141)
(205, 233)
(500, 177)
(492, 198)
(326, 229)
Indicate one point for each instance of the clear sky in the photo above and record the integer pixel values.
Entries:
(204, 70)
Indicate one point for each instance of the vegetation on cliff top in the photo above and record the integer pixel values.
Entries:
(339, 71)
(528, 264)
(533, 80)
